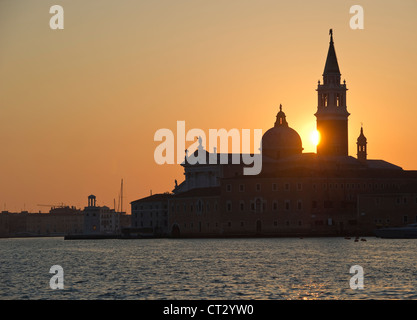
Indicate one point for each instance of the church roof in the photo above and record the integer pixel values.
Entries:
(154, 197)
(199, 192)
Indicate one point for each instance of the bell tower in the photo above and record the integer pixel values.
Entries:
(362, 147)
(332, 115)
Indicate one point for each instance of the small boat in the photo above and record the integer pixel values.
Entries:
(407, 232)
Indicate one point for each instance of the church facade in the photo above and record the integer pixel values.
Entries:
(327, 193)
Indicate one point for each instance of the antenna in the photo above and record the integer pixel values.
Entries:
(121, 198)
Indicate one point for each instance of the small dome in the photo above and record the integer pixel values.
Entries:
(281, 140)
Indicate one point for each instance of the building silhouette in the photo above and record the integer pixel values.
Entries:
(92, 221)
(327, 193)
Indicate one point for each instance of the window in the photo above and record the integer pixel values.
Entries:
(275, 206)
(274, 187)
(242, 206)
(287, 204)
(405, 219)
(299, 186)
(228, 187)
(299, 204)
(229, 206)
(241, 188)
(258, 204)
(258, 187)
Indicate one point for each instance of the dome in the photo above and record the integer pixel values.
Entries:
(281, 140)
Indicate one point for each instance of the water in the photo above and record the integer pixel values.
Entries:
(198, 269)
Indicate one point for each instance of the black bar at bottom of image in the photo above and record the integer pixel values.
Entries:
(205, 309)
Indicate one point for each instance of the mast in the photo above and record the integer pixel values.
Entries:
(121, 198)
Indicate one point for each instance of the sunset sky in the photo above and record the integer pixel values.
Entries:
(79, 107)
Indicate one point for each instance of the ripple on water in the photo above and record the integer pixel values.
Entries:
(208, 268)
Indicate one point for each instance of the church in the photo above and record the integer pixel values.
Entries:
(327, 193)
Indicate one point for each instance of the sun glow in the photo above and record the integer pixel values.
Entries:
(315, 137)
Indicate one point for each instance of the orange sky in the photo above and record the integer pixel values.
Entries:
(79, 107)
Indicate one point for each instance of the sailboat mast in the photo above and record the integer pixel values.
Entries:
(121, 198)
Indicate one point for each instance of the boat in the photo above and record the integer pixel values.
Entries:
(406, 232)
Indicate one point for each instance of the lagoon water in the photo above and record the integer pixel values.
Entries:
(198, 269)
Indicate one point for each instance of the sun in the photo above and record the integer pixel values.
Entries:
(315, 137)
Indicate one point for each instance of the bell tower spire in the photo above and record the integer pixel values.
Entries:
(332, 115)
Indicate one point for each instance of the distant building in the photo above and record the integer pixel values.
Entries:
(102, 220)
(58, 222)
(323, 193)
(150, 215)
